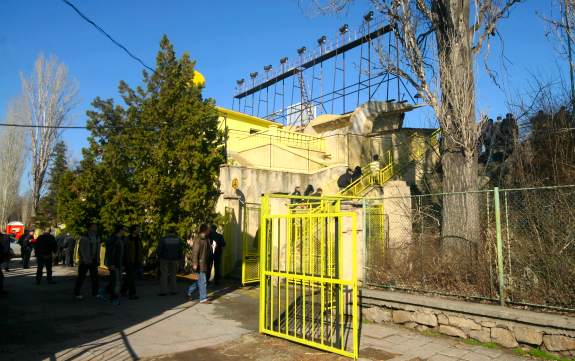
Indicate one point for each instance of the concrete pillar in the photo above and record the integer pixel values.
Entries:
(397, 209)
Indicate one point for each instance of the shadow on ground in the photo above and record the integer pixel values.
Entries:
(260, 347)
(47, 322)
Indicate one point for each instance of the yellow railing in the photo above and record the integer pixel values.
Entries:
(390, 167)
(300, 140)
(275, 135)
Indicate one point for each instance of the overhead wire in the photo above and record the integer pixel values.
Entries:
(106, 34)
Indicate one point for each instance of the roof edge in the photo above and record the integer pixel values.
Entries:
(246, 117)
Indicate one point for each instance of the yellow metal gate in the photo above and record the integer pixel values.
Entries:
(375, 240)
(250, 243)
(308, 275)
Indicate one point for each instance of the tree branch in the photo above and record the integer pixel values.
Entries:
(491, 20)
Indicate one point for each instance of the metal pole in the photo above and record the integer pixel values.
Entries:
(368, 64)
(364, 236)
(499, 246)
(308, 157)
(263, 259)
(226, 136)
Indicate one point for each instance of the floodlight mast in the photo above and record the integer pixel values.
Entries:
(372, 79)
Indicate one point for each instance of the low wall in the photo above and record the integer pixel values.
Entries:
(253, 182)
(504, 326)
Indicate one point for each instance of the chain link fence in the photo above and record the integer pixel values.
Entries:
(520, 249)
(538, 235)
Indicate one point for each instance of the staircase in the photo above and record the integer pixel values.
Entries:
(390, 168)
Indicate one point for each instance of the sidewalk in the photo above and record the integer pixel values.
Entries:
(46, 323)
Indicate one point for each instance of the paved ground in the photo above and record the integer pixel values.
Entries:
(46, 323)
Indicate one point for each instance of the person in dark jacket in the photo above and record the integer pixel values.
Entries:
(296, 192)
(170, 252)
(345, 179)
(201, 256)
(357, 173)
(69, 247)
(59, 255)
(44, 248)
(308, 190)
(5, 240)
(26, 242)
(115, 249)
(218, 244)
(89, 254)
(132, 262)
(4, 254)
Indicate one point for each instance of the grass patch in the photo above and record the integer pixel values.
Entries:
(473, 342)
(540, 354)
(431, 333)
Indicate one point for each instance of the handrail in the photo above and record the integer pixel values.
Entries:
(274, 135)
(389, 169)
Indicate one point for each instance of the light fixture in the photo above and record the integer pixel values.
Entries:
(254, 75)
(240, 82)
(301, 50)
(284, 60)
(322, 40)
(267, 68)
(344, 29)
(368, 17)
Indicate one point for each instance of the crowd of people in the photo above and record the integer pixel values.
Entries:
(497, 138)
(309, 192)
(123, 258)
(343, 181)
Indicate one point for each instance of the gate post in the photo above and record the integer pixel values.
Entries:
(263, 259)
(366, 252)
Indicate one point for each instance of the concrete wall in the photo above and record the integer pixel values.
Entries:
(254, 182)
(280, 157)
(397, 208)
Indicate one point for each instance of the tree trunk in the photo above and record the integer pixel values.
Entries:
(460, 214)
(460, 221)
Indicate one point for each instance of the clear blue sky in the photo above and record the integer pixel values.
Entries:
(228, 38)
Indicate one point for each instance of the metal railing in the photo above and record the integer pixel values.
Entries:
(276, 135)
(390, 168)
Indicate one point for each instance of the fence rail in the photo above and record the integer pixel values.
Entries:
(524, 253)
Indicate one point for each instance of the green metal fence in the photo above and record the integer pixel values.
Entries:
(522, 251)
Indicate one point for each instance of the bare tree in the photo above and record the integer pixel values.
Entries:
(50, 95)
(439, 41)
(11, 161)
(26, 208)
(561, 29)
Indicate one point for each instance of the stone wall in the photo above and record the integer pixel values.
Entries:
(507, 327)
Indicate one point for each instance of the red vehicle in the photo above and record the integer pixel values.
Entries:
(16, 229)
